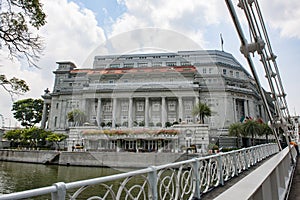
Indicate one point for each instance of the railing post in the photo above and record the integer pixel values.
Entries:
(152, 177)
(220, 169)
(197, 179)
(253, 151)
(245, 158)
(60, 193)
(235, 163)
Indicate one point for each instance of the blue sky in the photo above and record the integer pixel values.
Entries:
(75, 28)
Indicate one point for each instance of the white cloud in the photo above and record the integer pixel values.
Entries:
(190, 17)
(70, 34)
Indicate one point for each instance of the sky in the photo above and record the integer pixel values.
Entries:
(76, 30)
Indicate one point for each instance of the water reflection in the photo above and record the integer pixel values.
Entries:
(16, 177)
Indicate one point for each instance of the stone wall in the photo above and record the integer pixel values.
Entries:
(97, 159)
(28, 156)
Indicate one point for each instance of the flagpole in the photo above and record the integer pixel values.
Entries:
(222, 42)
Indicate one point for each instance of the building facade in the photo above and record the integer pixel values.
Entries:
(152, 90)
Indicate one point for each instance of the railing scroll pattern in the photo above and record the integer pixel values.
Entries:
(181, 180)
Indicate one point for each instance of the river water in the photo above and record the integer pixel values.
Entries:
(16, 177)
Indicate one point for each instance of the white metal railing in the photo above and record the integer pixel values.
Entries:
(181, 180)
(270, 181)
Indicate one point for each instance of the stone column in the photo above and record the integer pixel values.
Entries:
(114, 112)
(234, 110)
(147, 112)
(130, 112)
(246, 108)
(44, 116)
(163, 111)
(180, 109)
(62, 119)
(197, 100)
(99, 112)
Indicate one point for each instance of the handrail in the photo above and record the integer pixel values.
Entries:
(181, 180)
(273, 175)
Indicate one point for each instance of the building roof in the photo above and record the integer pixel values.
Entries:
(178, 69)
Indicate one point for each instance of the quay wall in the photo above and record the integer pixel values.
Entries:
(88, 158)
(29, 156)
(117, 159)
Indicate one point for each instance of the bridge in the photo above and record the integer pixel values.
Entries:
(198, 177)
(189, 179)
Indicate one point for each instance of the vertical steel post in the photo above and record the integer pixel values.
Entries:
(60, 193)
(152, 177)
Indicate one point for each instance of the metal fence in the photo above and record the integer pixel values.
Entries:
(181, 180)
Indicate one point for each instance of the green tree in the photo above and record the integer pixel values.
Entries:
(252, 128)
(76, 116)
(28, 136)
(28, 111)
(201, 110)
(56, 138)
(265, 130)
(236, 130)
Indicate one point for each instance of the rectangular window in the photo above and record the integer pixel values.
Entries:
(185, 63)
(107, 107)
(237, 74)
(204, 70)
(231, 73)
(114, 65)
(57, 104)
(171, 106)
(210, 70)
(124, 106)
(171, 63)
(156, 106)
(55, 121)
(188, 105)
(143, 64)
(157, 64)
(140, 106)
(224, 72)
(128, 65)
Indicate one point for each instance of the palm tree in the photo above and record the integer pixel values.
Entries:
(252, 128)
(202, 110)
(236, 130)
(266, 130)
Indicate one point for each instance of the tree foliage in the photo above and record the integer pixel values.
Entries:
(76, 116)
(250, 128)
(56, 138)
(28, 111)
(29, 136)
(33, 137)
(18, 19)
(202, 110)
(13, 85)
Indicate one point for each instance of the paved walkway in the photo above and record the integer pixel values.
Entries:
(295, 187)
(218, 190)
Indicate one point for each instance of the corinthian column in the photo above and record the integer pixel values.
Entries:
(99, 112)
(44, 116)
(114, 112)
(180, 109)
(147, 112)
(163, 111)
(130, 112)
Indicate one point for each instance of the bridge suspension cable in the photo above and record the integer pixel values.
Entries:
(262, 46)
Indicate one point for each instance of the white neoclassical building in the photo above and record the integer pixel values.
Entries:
(152, 90)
